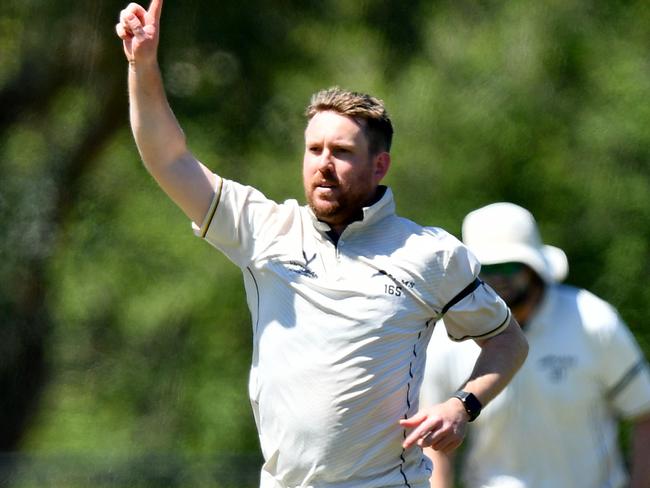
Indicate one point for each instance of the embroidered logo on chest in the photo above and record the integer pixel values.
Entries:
(557, 367)
(303, 268)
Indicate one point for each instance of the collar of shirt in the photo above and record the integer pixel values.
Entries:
(384, 207)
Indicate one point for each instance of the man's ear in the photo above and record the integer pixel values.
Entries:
(382, 163)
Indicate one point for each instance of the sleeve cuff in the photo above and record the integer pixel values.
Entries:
(205, 225)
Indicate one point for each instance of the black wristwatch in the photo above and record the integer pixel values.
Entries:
(470, 402)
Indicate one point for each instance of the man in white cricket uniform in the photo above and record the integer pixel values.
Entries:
(555, 425)
(343, 293)
(340, 332)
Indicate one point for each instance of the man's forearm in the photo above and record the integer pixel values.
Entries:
(640, 475)
(157, 133)
(442, 426)
(162, 147)
(501, 357)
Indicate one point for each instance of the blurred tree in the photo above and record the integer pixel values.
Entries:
(41, 176)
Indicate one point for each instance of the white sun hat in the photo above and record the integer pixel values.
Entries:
(504, 232)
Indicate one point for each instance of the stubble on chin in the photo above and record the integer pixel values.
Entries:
(325, 211)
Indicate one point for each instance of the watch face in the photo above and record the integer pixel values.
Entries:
(470, 402)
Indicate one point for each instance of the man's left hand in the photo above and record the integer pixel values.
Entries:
(441, 427)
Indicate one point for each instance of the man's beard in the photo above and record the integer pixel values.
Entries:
(519, 297)
(347, 208)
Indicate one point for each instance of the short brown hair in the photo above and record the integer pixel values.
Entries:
(378, 127)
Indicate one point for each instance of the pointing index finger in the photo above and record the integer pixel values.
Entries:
(155, 8)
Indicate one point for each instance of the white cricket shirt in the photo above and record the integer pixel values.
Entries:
(340, 333)
(555, 424)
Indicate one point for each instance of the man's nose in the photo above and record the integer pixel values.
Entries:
(326, 161)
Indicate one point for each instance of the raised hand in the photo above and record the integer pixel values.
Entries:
(139, 30)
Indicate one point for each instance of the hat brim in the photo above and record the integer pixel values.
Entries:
(550, 262)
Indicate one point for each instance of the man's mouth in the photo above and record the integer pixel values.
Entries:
(326, 184)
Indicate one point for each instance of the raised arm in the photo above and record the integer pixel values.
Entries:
(157, 134)
(442, 426)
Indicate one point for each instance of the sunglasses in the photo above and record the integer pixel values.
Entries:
(502, 269)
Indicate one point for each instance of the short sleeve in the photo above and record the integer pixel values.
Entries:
(479, 315)
(631, 396)
(240, 221)
(624, 370)
(475, 311)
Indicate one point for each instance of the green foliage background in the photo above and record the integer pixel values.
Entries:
(141, 330)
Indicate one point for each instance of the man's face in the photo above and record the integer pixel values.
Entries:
(339, 174)
(510, 280)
